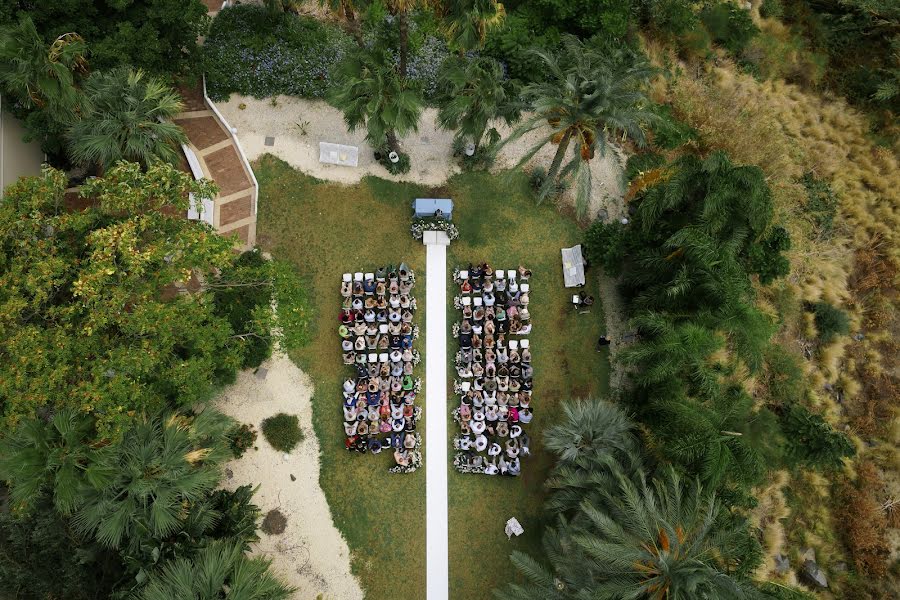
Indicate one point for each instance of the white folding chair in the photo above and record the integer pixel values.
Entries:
(466, 301)
(478, 301)
(465, 386)
(513, 345)
(383, 328)
(373, 357)
(383, 357)
(500, 274)
(511, 274)
(370, 276)
(357, 277)
(524, 287)
(348, 277)
(463, 274)
(524, 343)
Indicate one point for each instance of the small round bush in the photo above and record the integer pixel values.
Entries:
(274, 522)
(241, 437)
(830, 321)
(282, 431)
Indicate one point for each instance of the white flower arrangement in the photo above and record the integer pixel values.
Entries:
(420, 226)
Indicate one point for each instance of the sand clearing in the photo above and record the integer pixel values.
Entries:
(310, 555)
(430, 148)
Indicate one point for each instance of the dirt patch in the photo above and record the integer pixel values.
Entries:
(274, 523)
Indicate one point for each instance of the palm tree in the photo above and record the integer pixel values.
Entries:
(472, 94)
(593, 438)
(588, 95)
(400, 10)
(218, 571)
(41, 76)
(469, 21)
(144, 486)
(372, 94)
(126, 119)
(656, 538)
(41, 457)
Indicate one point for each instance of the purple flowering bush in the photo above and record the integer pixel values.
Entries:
(251, 52)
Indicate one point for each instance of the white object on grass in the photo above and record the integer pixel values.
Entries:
(513, 528)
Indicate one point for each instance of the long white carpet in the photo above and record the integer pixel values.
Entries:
(437, 546)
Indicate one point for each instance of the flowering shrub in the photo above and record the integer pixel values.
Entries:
(250, 52)
(425, 63)
(420, 226)
(254, 53)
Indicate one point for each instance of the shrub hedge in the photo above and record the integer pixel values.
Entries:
(282, 431)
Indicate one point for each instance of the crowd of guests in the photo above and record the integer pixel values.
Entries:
(494, 371)
(377, 335)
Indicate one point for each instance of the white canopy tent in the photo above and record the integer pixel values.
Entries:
(573, 266)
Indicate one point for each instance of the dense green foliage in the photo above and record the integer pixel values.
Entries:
(40, 558)
(862, 41)
(624, 530)
(729, 25)
(126, 116)
(811, 440)
(219, 571)
(282, 431)
(40, 82)
(159, 36)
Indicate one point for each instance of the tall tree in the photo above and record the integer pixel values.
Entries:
(126, 118)
(92, 312)
(219, 571)
(372, 93)
(473, 94)
(589, 94)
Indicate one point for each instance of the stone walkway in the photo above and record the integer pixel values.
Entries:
(436, 453)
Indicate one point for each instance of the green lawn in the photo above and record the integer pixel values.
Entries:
(328, 229)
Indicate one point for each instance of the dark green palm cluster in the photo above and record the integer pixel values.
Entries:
(626, 528)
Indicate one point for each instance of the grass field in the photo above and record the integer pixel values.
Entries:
(328, 229)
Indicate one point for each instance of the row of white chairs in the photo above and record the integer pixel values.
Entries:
(478, 301)
(358, 276)
(498, 274)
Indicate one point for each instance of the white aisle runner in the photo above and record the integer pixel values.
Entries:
(436, 539)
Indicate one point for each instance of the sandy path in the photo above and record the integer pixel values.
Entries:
(310, 555)
(430, 148)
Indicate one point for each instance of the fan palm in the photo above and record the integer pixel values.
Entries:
(472, 94)
(126, 119)
(643, 538)
(372, 94)
(469, 21)
(588, 95)
(218, 571)
(39, 457)
(42, 76)
(144, 486)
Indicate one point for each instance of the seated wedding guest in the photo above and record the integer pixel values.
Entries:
(525, 415)
(514, 466)
(491, 469)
